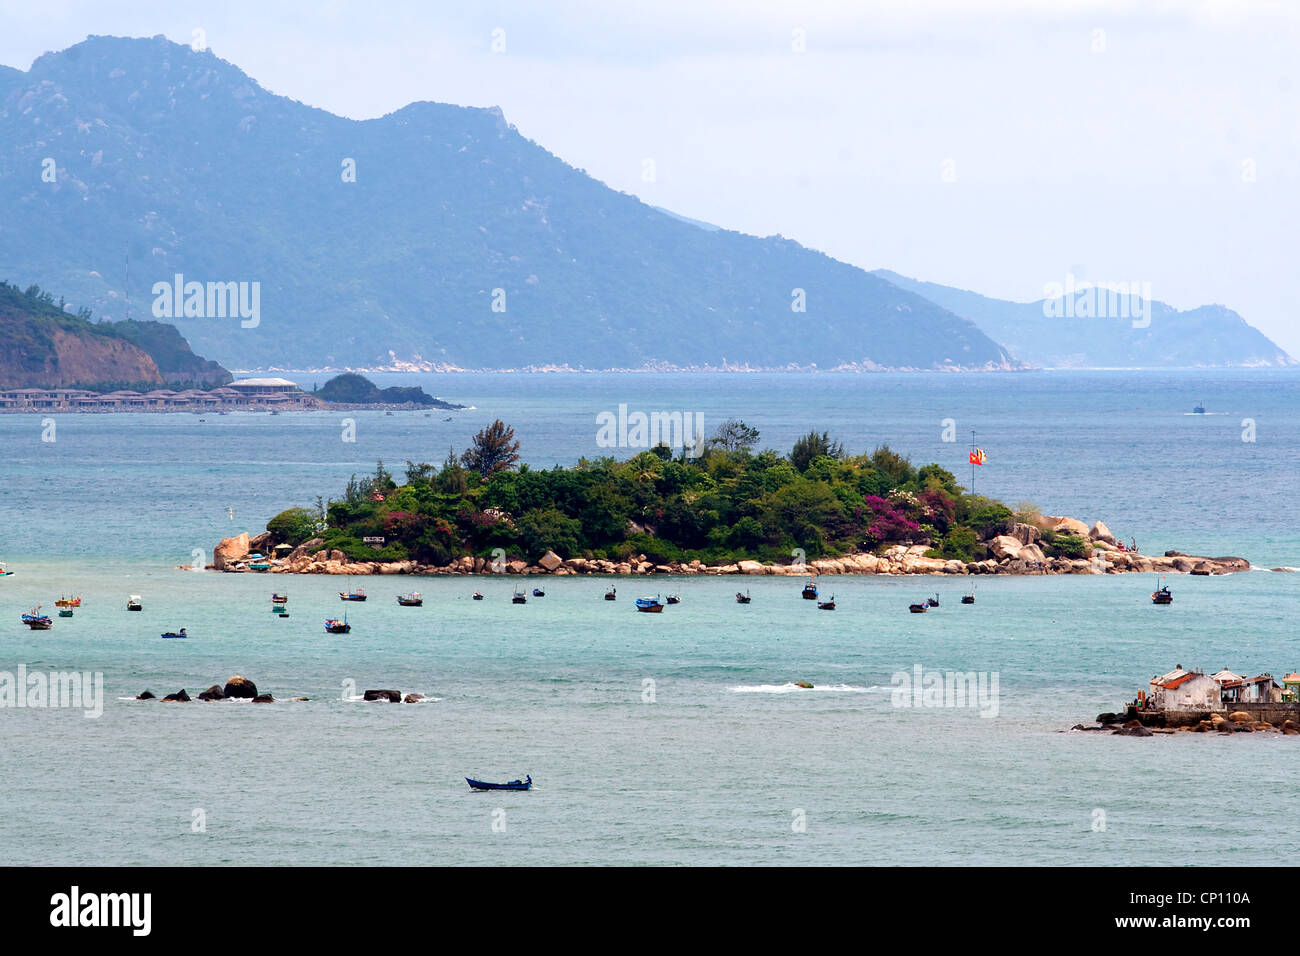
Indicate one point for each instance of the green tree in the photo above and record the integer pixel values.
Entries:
(734, 435)
(813, 446)
(493, 449)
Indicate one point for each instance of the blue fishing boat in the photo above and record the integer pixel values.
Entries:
(175, 635)
(335, 626)
(1199, 409)
(650, 605)
(526, 784)
(538, 592)
(519, 598)
(809, 592)
(36, 620)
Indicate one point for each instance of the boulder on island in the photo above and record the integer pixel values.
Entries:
(1100, 532)
(1004, 546)
(391, 696)
(230, 551)
(1241, 717)
(240, 687)
(213, 693)
(550, 561)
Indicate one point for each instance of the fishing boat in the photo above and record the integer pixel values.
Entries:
(538, 592)
(1199, 409)
(134, 603)
(1161, 595)
(279, 598)
(412, 599)
(918, 608)
(36, 620)
(279, 609)
(932, 602)
(826, 605)
(611, 594)
(742, 598)
(519, 598)
(4, 571)
(175, 635)
(478, 595)
(335, 626)
(257, 562)
(650, 605)
(525, 784)
(674, 599)
(353, 594)
(284, 613)
(65, 612)
(68, 602)
(968, 598)
(809, 592)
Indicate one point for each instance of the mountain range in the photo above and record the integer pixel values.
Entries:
(436, 236)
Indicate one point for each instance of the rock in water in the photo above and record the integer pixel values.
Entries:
(147, 695)
(212, 693)
(180, 695)
(413, 698)
(1138, 731)
(240, 687)
(230, 551)
(263, 699)
(392, 696)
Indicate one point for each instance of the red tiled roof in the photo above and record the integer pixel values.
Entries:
(1179, 681)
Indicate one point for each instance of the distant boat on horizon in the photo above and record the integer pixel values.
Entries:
(1199, 409)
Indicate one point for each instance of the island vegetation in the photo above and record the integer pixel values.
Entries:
(731, 503)
(353, 389)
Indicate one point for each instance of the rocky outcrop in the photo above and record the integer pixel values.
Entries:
(550, 561)
(213, 693)
(263, 699)
(230, 551)
(147, 695)
(180, 696)
(391, 696)
(240, 687)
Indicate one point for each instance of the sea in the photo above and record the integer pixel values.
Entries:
(680, 738)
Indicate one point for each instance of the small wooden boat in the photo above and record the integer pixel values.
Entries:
(279, 598)
(257, 562)
(335, 626)
(826, 605)
(650, 605)
(519, 598)
(65, 612)
(611, 594)
(356, 594)
(478, 595)
(673, 599)
(174, 635)
(742, 598)
(968, 598)
(4, 571)
(68, 602)
(284, 613)
(413, 599)
(809, 592)
(36, 620)
(134, 603)
(932, 602)
(525, 784)
(278, 609)
(538, 592)
(1162, 596)
(918, 608)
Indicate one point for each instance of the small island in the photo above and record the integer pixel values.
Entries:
(357, 391)
(731, 510)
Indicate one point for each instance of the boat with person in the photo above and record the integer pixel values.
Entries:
(538, 592)
(134, 602)
(36, 620)
(279, 598)
(410, 599)
(353, 594)
(477, 595)
(809, 592)
(611, 594)
(519, 597)
(4, 571)
(742, 598)
(68, 602)
(673, 599)
(650, 605)
(335, 626)
(525, 784)
(968, 597)
(175, 635)
(1162, 594)
(932, 602)
(826, 605)
(918, 608)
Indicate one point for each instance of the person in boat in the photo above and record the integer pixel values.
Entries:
(182, 632)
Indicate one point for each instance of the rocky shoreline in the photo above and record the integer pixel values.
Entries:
(1013, 550)
(1136, 723)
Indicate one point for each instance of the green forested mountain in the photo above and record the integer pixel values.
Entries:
(168, 161)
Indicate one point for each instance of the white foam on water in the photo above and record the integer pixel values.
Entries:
(795, 688)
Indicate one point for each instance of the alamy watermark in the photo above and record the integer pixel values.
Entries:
(211, 300)
(624, 429)
(1087, 300)
(922, 688)
(71, 689)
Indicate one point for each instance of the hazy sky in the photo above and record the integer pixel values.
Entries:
(995, 146)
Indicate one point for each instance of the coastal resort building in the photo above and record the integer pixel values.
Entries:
(1185, 690)
(257, 393)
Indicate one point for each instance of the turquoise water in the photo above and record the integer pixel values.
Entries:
(715, 769)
